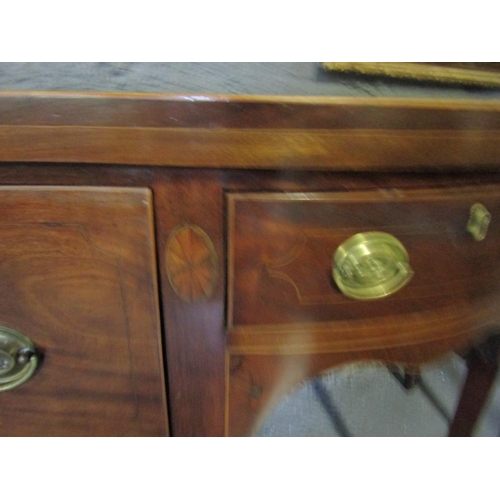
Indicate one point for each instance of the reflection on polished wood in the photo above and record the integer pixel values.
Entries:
(76, 271)
(98, 203)
(307, 133)
(288, 320)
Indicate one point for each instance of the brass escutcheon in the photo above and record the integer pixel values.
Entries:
(371, 265)
(479, 220)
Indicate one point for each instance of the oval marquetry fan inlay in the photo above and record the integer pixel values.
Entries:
(191, 263)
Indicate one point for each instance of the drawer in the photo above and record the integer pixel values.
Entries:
(281, 293)
(77, 277)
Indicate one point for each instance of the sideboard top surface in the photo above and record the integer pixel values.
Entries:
(261, 132)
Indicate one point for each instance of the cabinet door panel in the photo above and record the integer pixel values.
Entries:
(77, 276)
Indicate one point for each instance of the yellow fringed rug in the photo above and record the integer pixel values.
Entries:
(481, 74)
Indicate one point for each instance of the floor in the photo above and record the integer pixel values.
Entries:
(369, 401)
(267, 78)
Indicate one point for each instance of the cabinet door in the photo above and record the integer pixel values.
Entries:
(78, 278)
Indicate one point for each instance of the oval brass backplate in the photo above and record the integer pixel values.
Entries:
(18, 358)
(371, 265)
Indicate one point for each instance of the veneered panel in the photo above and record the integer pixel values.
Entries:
(77, 276)
(280, 264)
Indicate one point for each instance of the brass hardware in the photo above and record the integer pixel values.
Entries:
(371, 266)
(18, 358)
(479, 220)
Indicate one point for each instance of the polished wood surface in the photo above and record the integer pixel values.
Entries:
(287, 319)
(280, 249)
(264, 172)
(194, 330)
(78, 277)
(250, 132)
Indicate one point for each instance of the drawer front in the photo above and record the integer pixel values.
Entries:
(280, 249)
(77, 276)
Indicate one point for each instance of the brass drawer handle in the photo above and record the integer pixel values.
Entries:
(371, 266)
(18, 358)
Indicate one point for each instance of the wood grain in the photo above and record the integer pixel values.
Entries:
(288, 321)
(191, 263)
(362, 150)
(250, 132)
(77, 275)
(281, 248)
(195, 339)
(194, 331)
(371, 152)
(102, 110)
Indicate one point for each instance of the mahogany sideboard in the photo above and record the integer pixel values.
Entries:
(174, 265)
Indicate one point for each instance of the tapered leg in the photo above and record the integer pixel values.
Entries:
(482, 363)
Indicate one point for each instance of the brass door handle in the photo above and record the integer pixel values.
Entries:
(371, 265)
(18, 358)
